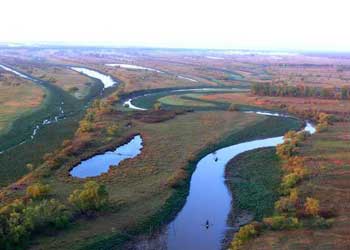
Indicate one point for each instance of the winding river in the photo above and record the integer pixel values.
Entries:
(209, 200)
(106, 80)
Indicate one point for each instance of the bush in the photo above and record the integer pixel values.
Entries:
(38, 190)
(319, 222)
(288, 182)
(280, 222)
(244, 234)
(18, 221)
(157, 106)
(321, 127)
(287, 204)
(93, 197)
(312, 206)
(112, 130)
(285, 150)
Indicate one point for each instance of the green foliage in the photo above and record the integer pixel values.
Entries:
(18, 221)
(288, 182)
(268, 89)
(85, 126)
(319, 222)
(254, 178)
(280, 222)
(287, 204)
(38, 190)
(112, 130)
(244, 234)
(93, 197)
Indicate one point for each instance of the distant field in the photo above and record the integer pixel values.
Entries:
(177, 100)
(71, 81)
(17, 98)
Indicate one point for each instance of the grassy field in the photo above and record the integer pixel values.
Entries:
(18, 97)
(14, 160)
(69, 80)
(135, 185)
(328, 161)
(254, 178)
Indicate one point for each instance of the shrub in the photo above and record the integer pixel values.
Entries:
(93, 197)
(288, 182)
(112, 130)
(287, 204)
(319, 222)
(321, 127)
(85, 126)
(38, 190)
(312, 206)
(157, 106)
(280, 222)
(285, 150)
(18, 221)
(244, 234)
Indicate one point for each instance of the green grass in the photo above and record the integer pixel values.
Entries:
(271, 126)
(149, 100)
(254, 178)
(13, 161)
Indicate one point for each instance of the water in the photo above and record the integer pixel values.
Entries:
(209, 199)
(99, 164)
(187, 78)
(128, 103)
(105, 79)
(44, 122)
(132, 66)
(15, 72)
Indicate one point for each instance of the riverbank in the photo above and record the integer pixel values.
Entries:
(176, 201)
(142, 186)
(253, 178)
(327, 161)
(19, 154)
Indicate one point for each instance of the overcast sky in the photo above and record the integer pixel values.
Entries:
(232, 24)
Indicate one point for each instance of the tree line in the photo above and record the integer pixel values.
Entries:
(269, 89)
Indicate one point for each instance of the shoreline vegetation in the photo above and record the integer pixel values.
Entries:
(286, 206)
(178, 198)
(291, 193)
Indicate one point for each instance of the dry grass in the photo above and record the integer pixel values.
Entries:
(140, 185)
(17, 97)
(62, 77)
(328, 160)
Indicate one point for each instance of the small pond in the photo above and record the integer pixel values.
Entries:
(100, 164)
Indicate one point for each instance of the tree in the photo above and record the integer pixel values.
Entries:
(38, 190)
(157, 106)
(312, 206)
(93, 197)
(344, 92)
(112, 130)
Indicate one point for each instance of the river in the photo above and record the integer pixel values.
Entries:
(209, 200)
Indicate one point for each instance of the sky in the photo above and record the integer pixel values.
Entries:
(216, 24)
